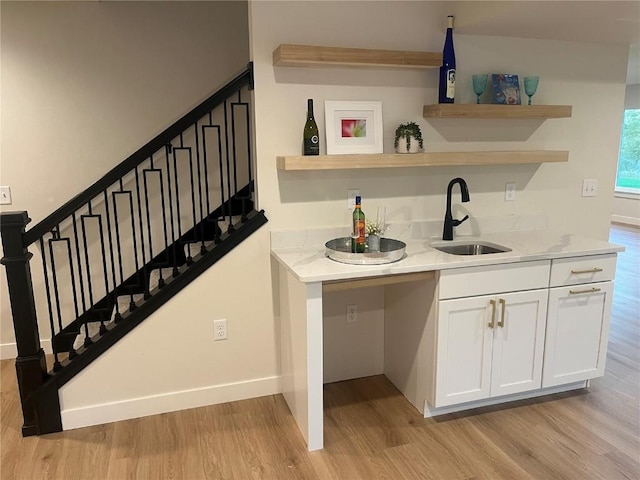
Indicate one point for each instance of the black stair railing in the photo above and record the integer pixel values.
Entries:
(113, 254)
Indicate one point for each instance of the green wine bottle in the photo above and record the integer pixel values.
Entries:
(357, 237)
(310, 135)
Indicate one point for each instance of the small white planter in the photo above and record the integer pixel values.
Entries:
(373, 241)
(414, 145)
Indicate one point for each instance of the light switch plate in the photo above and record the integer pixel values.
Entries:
(5, 196)
(352, 193)
(589, 187)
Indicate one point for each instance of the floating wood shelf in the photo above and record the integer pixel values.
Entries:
(431, 159)
(287, 55)
(473, 110)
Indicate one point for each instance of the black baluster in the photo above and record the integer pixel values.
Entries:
(72, 352)
(245, 107)
(214, 219)
(87, 339)
(177, 189)
(56, 360)
(145, 276)
(116, 221)
(199, 170)
(103, 328)
(113, 264)
(233, 149)
(174, 241)
(230, 228)
(56, 291)
(161, 282)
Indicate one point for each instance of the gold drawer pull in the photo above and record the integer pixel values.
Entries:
(492, 324)
(586, 290)
(590, 270)
(504, 304)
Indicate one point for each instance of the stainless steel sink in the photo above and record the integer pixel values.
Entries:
(467, 248)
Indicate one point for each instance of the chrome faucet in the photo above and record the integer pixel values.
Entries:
(449, 222)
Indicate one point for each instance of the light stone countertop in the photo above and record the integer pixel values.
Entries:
(303, 253)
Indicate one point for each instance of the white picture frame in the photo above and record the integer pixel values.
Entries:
(353, 126)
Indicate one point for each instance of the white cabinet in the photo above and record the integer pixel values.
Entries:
(484, 335)
(578, 319)
(489, 346)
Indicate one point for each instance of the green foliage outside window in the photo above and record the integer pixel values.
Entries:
(629, 161)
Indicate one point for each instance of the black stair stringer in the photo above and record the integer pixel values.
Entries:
(46, 399)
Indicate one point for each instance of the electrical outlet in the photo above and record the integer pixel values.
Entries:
(5, 196)
(220, 329)
(510, 192)
(352, 193)
(589, 187)
(352, 313)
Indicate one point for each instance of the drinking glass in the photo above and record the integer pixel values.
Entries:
(381, 218)
(479, 84)
(530, 86)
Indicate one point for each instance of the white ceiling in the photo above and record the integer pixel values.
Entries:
(615, 22)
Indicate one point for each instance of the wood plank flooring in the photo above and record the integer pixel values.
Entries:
(371, 431)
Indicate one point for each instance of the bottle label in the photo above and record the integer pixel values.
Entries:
(451, 82)
(360, 231)
(312, 146)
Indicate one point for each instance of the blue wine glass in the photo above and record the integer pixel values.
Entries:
(479, 84)
(531, 86)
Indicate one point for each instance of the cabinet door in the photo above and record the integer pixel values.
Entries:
(518, 343)
(463, 368)
(577, 333)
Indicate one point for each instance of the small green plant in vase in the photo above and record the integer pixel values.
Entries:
(408, 138)
(375, 228)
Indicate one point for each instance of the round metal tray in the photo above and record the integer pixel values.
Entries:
(339, 249)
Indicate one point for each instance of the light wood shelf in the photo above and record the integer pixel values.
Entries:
(430, 159)
(287, 55)
(474, 110)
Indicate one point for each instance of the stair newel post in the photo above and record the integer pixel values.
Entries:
(31, 366)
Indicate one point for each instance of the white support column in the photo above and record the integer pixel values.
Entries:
(301, 355)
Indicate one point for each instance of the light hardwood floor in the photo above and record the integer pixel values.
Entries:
(371, 431)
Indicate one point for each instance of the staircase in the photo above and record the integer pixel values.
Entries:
(115, 253)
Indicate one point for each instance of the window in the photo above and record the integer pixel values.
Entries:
(628, 179)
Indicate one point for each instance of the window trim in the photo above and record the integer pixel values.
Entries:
(624, 192)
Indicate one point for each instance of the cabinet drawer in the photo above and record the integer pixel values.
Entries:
(509, 277)
(592, 268)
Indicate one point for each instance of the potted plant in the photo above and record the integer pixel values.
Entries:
(408, 138)
(374, 231)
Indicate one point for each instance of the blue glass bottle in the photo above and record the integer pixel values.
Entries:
(447, 84)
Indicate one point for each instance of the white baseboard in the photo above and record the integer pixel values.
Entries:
(167, 402)
(9, 351)
(625, 220)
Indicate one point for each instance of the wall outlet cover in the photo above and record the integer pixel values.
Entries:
(220, 329)
(510, 192)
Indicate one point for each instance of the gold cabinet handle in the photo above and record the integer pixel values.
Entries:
(586, 290)
(492, 324)
(589, 270)
(504, 306)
